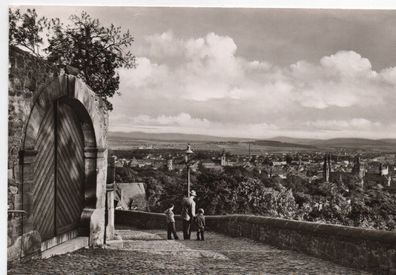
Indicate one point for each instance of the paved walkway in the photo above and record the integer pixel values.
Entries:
(148, 252)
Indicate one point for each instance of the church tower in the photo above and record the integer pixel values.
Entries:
(170, 164)
(358, 169)
(356, 165)
(326, 167)
(223, 160)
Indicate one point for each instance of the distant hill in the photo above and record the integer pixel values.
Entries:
(126, 140)
(275, 143)
(389, 140)
(305, 141)
(172, 137)
(353, 142)
(337, 142)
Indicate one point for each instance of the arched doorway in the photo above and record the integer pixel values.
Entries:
(59, 171)
(63, 166)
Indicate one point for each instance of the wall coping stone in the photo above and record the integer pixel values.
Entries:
(348, 232)
(312, 227)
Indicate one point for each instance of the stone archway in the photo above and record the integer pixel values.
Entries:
(82, 144)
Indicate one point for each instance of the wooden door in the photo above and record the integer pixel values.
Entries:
(70, 170)
(43, 210)
(58, 172)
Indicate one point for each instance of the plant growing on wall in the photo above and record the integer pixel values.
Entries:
(25, 30)
(97, 52)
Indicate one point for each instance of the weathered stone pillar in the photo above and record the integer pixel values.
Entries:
(97, 222)
(110, 198)
(111, 169)
(110, 212)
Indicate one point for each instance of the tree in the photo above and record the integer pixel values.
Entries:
(96, 51)
(25, 29)
(289, 159)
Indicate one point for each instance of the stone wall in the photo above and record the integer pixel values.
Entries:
(33, 84)
(27, 76)
(144, 220)
(372, 250)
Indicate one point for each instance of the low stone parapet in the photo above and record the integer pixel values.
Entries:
(144, 220)
(372, 250)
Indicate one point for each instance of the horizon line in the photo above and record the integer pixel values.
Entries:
(240, 137)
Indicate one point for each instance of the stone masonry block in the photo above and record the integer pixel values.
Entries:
(97, 228)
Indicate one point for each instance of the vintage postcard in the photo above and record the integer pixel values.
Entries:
(201, 140)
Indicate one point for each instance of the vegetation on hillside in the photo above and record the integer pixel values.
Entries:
(237, 190)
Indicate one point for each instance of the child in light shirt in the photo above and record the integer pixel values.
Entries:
(170, 220)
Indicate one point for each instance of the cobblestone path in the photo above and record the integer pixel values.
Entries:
(148, 252)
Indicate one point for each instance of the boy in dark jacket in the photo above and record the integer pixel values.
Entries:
(170, 220)
(200, 220)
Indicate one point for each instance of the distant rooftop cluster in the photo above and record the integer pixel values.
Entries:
(371, 169)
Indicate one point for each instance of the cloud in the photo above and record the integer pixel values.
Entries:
(202, 82)
(339, 125)
(347, 64)
(343, 79)
(182, 119)
(145, 74)
(389, 75)
(189, 124)
(164, 48)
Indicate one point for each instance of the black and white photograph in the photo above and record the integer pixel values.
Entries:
(200, 140)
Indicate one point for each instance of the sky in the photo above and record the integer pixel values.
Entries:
(257, 73)
(245, 72)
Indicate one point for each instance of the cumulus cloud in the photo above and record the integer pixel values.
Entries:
(347, 64)
(389, 75)
(343, 79)
(202, 83)
(146, 74)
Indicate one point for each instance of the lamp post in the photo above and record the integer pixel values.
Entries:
(188, 152)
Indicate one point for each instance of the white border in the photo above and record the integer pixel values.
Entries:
(302, 4)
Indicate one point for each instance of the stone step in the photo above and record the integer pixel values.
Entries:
(66, 247)
(114, 244)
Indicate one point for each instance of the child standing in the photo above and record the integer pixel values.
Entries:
(200, 220)
(170, 220)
